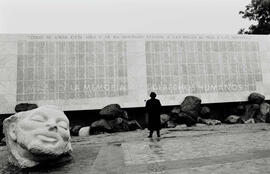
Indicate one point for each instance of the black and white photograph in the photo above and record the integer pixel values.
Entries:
(134, 86)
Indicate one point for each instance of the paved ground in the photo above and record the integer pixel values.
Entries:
(201, 149)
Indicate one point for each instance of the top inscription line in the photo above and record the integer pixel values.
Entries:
(133, 36)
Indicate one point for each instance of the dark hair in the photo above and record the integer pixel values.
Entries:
(153, 95)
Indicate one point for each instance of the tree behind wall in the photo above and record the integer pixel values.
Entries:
(259, 11)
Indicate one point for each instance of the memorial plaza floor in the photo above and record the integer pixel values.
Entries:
(241, 149)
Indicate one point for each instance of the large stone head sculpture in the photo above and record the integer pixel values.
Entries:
(37, 136)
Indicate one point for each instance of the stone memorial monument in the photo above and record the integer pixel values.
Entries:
(40, 136)
(75, 71)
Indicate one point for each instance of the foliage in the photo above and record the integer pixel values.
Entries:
(259, 11)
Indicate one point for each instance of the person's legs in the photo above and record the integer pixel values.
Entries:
(158, 133)
(150, 134)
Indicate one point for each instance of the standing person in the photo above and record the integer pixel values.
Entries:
(153, 108)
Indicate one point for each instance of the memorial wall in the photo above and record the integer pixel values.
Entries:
(89, 71)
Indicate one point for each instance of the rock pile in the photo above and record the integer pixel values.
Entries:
(190, 112)
(112, 119)
(256, 111)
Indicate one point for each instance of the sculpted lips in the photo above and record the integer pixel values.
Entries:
(47, 138)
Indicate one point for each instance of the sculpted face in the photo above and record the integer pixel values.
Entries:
(40, 133)
(45, 130)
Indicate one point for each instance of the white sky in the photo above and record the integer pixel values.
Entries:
(122, 16)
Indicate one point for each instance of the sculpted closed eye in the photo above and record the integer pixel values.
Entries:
(38, 117)
(63, 124)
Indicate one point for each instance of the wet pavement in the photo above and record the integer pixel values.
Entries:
(201, 149)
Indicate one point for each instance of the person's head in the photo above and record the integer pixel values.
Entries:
(37, 134)
(153, 95)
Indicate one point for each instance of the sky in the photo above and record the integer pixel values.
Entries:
(122, 16)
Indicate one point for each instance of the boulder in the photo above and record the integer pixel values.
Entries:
(84, 131)
(263, 114)
(119, 125)
(191, 106)
(113, 111)
(209, 121)
(74, 131)
(174, 117)
(164, 118)
(109, 126)
(25, 107)
(256, 98)
(260, 118)
(100, 126)
(184, 118)
(251, 111)
(264, 108)
(171, 124)
(240, 109)
(267, 118)
(205, 112)
(181, 118)
(250, 121)
(176, 110)
(233, 119)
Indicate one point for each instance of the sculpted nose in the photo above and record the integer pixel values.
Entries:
(53, 128)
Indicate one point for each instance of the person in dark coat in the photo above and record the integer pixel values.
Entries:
(153, 109)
